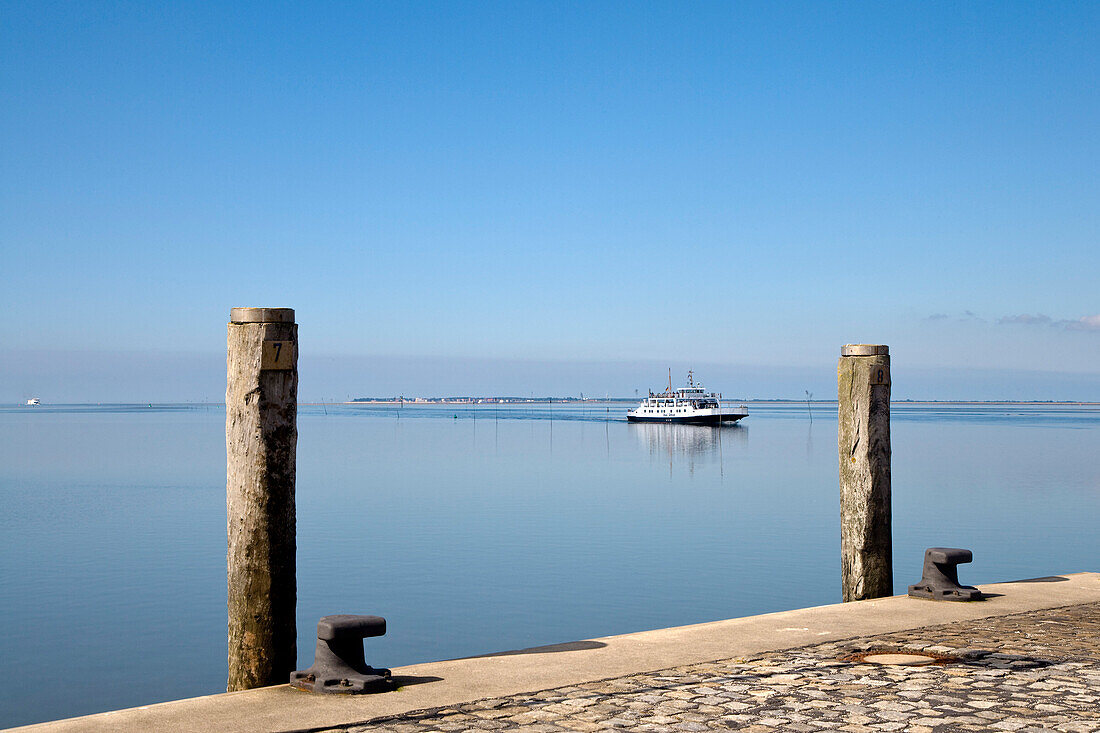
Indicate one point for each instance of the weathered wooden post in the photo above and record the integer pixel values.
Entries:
(863, 437)
(261, 436)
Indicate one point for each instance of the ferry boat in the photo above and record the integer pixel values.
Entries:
(33, 401)
(690, 404)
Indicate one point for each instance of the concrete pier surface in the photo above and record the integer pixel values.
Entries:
(1027, 658)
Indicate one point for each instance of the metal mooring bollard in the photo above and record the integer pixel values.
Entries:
(941, 576)
(338, 663)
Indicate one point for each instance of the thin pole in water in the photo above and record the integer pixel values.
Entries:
(721, 457)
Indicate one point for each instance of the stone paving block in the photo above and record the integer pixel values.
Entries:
(580, 725)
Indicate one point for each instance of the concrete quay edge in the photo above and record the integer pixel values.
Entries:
(458, 681)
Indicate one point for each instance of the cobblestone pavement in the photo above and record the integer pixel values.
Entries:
(1028, 672)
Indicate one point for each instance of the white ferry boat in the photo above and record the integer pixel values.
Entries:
(33, 401)
(690, 404)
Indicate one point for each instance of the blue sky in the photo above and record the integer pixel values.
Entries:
(741, 185)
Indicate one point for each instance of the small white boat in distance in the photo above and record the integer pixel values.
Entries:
(691, 404)
(33, 401)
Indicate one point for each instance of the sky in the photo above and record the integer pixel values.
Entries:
(514, 197)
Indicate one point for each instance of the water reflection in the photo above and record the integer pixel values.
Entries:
(689, 444)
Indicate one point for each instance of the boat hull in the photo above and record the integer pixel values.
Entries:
(715, 419)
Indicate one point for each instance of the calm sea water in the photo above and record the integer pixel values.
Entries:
(482, 529)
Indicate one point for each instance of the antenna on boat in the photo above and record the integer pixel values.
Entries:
(670, 380)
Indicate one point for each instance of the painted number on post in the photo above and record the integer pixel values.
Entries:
(277, 355)
(880, 374)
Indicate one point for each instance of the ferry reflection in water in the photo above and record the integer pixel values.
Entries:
(688, 444)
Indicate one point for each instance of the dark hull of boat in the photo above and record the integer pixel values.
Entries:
(702, 420)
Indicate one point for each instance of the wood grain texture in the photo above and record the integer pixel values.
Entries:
(863, 438)
(261, 436)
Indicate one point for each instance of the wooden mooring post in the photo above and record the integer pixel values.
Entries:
(863, 438)
(261, 436)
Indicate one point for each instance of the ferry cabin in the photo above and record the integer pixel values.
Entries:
(681, 404)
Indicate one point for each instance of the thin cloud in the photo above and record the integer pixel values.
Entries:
(1084, 323)
(965, 316)
(1026, 319)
